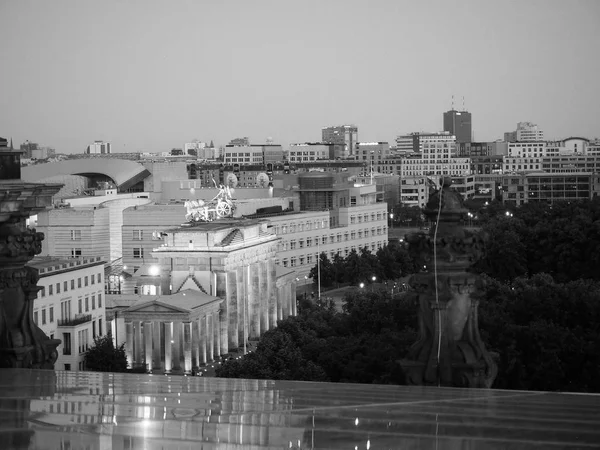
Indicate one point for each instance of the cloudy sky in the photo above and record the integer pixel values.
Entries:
(151, 75)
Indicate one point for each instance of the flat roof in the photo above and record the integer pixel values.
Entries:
(194, 412)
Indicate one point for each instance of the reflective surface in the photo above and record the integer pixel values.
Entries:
(87, 410)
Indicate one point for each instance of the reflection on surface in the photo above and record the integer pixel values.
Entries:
(85, 410)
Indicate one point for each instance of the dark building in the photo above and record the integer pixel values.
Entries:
(458, 123)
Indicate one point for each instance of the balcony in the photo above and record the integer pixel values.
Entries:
(78, 320)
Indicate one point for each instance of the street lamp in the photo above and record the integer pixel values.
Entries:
(392, 218)
(361, 285)
(470, 218)
(373, 278)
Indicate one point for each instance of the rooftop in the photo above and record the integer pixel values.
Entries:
(54, 409)
(46, 264)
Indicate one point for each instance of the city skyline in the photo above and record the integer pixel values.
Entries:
(151, 76)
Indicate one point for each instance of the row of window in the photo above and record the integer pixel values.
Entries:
(331, 239)
(311, 258)
(65, 309)
(301, 226)
(56, 288)
(360, 218)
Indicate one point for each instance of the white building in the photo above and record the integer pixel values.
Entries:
(416, 166)
(98, 147)
(306, 234)
(414, 191)
(70, 305)
(531, 150)
(525, 132)
(309, 152)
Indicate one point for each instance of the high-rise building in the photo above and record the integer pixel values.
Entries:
(458, 123)
(98, 147)
(342, 134)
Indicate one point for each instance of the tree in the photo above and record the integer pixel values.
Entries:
(104, 357)
(325, 269)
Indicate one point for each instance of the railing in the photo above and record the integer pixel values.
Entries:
(75, 321)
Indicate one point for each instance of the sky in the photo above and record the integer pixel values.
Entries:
(151, 75)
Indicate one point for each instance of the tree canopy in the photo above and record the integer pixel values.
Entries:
(104, 357)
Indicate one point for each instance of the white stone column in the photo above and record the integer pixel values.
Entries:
(232, 305)
(263, 296)
(129, 342)
(137, 342)
(217, 334)
(272, 293)
(202, 337)
(157, 363)
(223, 322)
(210, 336)
(280, 301)
(187, 347)
(176, 347)
(253, 306)
(195, 343)
(148, 345)
(168, 346)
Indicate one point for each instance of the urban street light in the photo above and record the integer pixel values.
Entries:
(361, 285)
(373, 285)
(392, 219)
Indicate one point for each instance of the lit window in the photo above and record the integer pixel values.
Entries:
(75, 235)
(138, 252)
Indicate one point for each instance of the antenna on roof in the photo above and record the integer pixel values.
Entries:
(464, 109)
(452, 102)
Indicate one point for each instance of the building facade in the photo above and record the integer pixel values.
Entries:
(458, 123)
(346, 135)
(213, 287)
(525, 132)
(70, 305)
(98, 147)
(549, 187)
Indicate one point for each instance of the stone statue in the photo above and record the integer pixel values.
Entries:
(22, 343)
(449, 350)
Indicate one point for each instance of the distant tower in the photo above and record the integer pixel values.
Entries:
(458, 123)
(346, 135)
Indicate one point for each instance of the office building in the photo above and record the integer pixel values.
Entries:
(70, 305)
(525, 132)
(458, 123)
(414, 191)
(413, 142)
(372, 153)
(549, 187)
(98, 147)
(472, 149)
(347, 135)
(315, 151)
(253, 154)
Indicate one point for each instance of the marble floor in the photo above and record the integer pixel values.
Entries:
(87, 410)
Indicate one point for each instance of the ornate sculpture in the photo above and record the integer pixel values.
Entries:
(220, 206)
(449, 350)
(22, 343)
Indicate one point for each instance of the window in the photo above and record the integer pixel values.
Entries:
(85, 281)
(35, 317)
(138, 252)
(58, 288)
(93, 329)
(87, 304)
(309, 242)
(67, 346)
(292, 245)
(75, 235)
(138, 235)
(99, 300)
(309, 259)
(78, 282)
(301, 243)
(72, 284)
(65, 286)
(100, 327)
(75, 252)
(93, 279)
(99, 278)
(80, 309)
(67, 366)
(93, 302)
(51, 313)
(50, 289)
(43, 291)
